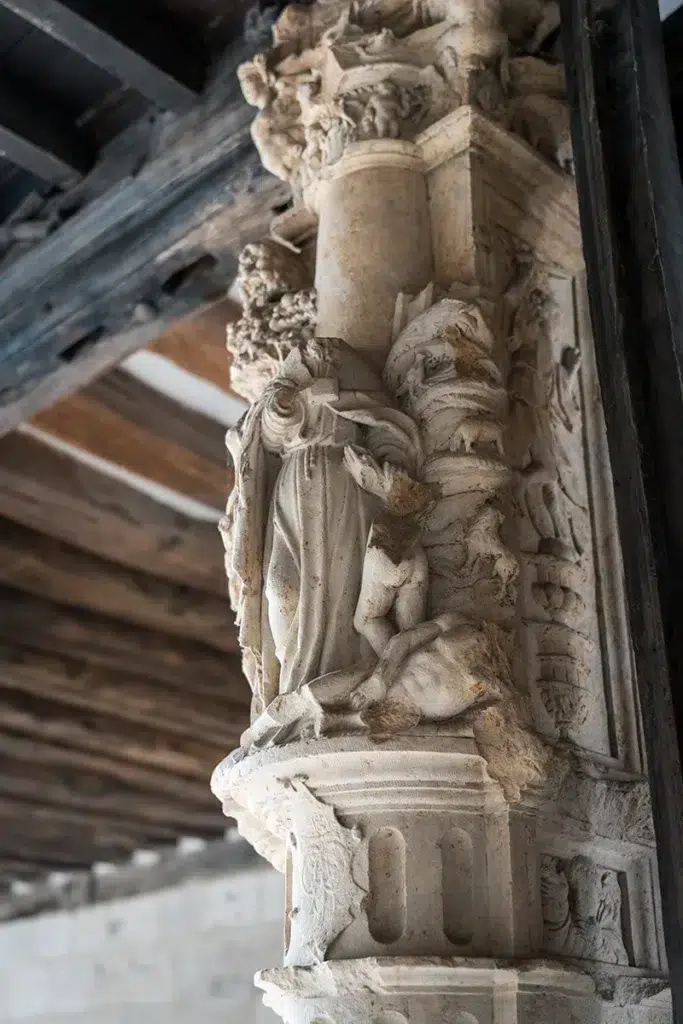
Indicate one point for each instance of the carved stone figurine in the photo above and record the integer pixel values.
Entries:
(297, 521)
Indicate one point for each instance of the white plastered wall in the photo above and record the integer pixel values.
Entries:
(184, 955)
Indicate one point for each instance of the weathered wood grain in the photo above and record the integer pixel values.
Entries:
(126, 697)
(42, 625)
(56, 495)
(46, 567)
(107, 743)
(124, 250)
(119, 419)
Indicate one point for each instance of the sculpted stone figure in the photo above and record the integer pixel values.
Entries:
(297, 521)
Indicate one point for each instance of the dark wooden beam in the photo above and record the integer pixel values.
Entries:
(125, 697)
(38, 139)
(140, 51)
(53, 494)
(631, 204)
(57, 629)
(42, 565)
(107, 743)
(203, 192)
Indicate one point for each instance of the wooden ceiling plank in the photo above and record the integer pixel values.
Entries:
(98, 430)
(54, 494)
(78, 633)
(48, 568)
(150, 61)
(160, 416)
(75, 737)
(91, 795)
(197, 345)
(60, 762)
(66, 856)
(121, 696)
(56, 824)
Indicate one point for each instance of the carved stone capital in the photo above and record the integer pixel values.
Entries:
(344, 72)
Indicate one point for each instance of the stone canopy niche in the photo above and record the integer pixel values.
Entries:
(444, 755)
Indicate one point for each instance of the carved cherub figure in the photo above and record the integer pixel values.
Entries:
(393, 593)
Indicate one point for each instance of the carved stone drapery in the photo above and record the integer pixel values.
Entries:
(444, 750)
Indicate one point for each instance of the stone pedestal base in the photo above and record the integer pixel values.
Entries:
(448, 990)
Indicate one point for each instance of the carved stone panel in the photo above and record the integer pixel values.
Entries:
(575, 659)
(583, 916)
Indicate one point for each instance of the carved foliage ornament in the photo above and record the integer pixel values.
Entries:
(342, 72)
(279, 311)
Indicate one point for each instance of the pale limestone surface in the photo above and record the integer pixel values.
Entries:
(422, 551)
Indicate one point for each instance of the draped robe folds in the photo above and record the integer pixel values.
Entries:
(297, 522)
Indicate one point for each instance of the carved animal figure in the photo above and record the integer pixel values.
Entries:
(477, 430)
(544, 122)
(482, 540)
(413, 379)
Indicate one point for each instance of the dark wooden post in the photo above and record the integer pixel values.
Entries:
(631, 204)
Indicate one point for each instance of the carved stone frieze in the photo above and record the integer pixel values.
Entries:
(551, 516)
(615, 808)
(352, 71)
(328, 884)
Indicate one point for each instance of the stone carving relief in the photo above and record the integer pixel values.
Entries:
(328, 883)
(373, 587)
(279, 310)
(582, 910)
(615, 808)
(551, 517)
(344, 72)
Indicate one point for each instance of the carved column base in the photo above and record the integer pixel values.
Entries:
(406, 846)
(447, 989)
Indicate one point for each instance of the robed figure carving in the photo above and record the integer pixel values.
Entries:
(297, 521)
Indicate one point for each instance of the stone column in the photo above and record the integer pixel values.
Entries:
(444, 755)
